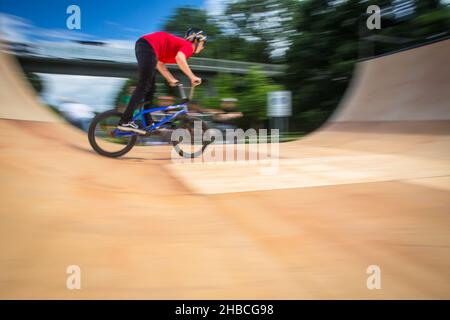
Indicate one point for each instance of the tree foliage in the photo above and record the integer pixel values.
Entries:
(35, 81)
(219, 45)
(269, 21)
(251, 90)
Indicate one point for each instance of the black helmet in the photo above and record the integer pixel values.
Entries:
(193, 34)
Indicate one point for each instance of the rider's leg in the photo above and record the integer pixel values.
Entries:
(149, 98)
(147, 60)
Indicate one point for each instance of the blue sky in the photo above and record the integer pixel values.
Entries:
(102, 19)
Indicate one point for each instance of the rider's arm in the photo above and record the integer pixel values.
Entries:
(182, 63)
(165, 72)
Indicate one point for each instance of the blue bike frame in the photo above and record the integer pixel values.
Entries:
(183, 110)
(140, 115)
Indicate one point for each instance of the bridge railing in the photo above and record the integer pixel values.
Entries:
(230, 65)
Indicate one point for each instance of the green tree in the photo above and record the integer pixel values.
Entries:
(224, 85)
(267, 21)
(185, 17)
(35, 81)
(124, 91)
(253, 97)
(251, 91)
(236, 48)
(220, 45)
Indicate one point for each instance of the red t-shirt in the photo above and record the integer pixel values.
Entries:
(167, 46)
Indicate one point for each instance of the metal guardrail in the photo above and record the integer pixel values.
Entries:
(219, 63)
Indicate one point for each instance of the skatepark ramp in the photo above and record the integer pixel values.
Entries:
(18, 100)
(372, 187)
(411, 85)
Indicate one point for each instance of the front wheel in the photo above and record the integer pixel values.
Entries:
(106, 139)
(190, 142)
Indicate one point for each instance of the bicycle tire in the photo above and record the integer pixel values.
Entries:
(92, 137)
(191, 155)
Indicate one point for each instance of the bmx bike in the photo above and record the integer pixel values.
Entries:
(107, 140)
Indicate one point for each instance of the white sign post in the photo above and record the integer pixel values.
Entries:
(279, 108)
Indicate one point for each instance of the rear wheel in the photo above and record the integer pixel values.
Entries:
(106, 139)
(190, 142)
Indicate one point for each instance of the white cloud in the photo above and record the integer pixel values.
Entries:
(62, 34)
(13, 28)
(17, 29)
(120, 44)
(215, 7)
(121, 27)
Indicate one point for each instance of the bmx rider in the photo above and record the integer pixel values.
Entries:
(153, 51)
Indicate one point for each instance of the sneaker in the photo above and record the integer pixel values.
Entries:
(131, 126)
